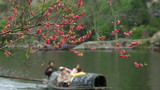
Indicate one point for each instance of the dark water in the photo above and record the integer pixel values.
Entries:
(121, 73)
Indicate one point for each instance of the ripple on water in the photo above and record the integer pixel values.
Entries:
(8, 84)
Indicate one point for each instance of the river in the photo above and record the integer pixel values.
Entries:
(121, 74)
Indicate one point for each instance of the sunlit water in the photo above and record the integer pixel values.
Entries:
(121, 74)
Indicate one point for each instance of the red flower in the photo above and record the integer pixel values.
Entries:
(14, 11)
(47, 14)
(38, 31)
(32, 51)
(117, 45)
(47, 25)
(47, 41)
(28, 22)
(71, 51)
(28, 1)
(79, 27)
(72, 37)
(136, 64)
(113, 32)
(79, 4)
(10, 41)
(89, 32)
(126, 34)
(72, 42)
(141, 64)
(9, 18)
(122, 52)
(20, 34)
(100, 38)
(110, 2)
(8, 26)
(93, 48)
(42, 35)
(118, 22)
(7, 53)
(55, 46)
(50, 8)
(116, 30)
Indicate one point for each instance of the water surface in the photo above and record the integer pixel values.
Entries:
(121, 74)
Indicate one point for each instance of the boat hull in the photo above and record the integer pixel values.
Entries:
(90, 81)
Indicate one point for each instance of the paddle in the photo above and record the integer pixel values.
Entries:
(37, 80)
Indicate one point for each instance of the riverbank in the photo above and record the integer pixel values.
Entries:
(99, 45)
(110, 45)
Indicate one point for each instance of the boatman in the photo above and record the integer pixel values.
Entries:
(50, 69)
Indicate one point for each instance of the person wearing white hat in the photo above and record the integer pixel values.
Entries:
(63, 78)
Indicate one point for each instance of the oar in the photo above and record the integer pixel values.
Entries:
(37, 80)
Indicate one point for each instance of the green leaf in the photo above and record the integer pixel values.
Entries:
(5, 42)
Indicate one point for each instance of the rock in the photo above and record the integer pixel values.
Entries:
(155, 38)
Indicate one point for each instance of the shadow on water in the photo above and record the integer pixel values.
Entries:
(121, 74)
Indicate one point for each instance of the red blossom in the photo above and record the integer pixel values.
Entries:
(47, 41)
(79, 27)
(47, 14)
(90, 32)
(32, 51)
(9, 18)
(20, 34)
(47, 25)
(7, 53)
(72, 42)
(136, 64)
(28, 1)
(110, 2)
(79, 4)
(118, 45)
(93, 48)
(118, 22)
(55, 46)
(100, 38)
(14, 11)
(141, 65)
(122, 52)
(50, 8)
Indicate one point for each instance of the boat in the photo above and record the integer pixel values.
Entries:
(90, 81)
(157, 49)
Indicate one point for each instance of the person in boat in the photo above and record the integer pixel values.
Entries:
(50, 69)
(79, 72)
(63, 78)
(75, 70)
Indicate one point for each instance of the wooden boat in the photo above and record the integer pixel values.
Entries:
(90, 81)
(157, 49)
